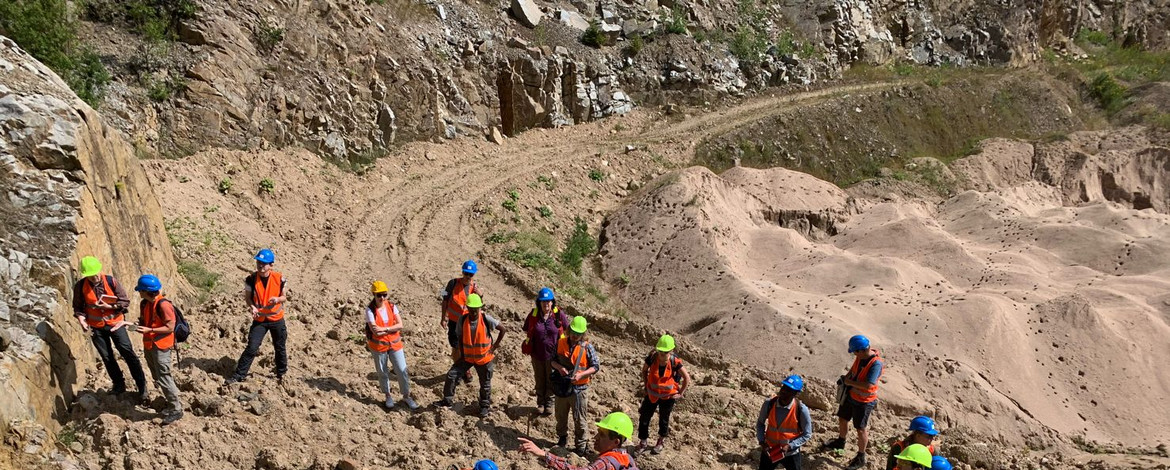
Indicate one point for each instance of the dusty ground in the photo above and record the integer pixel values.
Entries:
(415, 216)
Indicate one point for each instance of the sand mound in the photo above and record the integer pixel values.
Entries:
(1005, 311)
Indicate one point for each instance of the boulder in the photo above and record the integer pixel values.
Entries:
(573, 20)
(526, 12)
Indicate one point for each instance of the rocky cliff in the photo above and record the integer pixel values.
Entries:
(351, 79)
(74, 188)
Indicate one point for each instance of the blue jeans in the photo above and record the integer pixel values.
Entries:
(397, 360)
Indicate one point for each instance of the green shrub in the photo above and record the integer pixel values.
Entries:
(677, 23)
(1108, 92)
(198, 276)
(596, 175)
(545, 211)
(46, 31)
(267, 36)
(578, 246)
(1090, 36)
(636, 45)
(267, 186)
(593, 36)
(225, 185)
(747, 45)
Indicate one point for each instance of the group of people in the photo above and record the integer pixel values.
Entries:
(563, 364)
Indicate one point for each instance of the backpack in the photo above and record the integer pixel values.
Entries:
(182, 328)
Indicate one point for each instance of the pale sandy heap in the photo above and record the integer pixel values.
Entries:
(1000, 309)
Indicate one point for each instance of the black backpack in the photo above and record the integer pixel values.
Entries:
(182, 328)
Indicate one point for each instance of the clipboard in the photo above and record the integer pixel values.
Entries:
(108, 299)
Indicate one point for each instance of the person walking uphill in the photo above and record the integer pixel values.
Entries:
(158, 340)
(476, 350)
(922, 431)
(264, 292)
(575, 363)
(783, 426)
(612, 433)
(665, 380)
(384, 340)
(455, 295)
(544, 326)
(99, 303)
(862, 382)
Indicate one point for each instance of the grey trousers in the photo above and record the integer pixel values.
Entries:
(159, 363)
(397, 360)
(579, 403)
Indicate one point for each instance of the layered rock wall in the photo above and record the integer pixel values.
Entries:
(73, 187)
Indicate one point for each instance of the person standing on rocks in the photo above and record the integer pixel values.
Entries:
(612, 433)
(157, 326)
(100, 304)
(576, 361)
(476, 350)
(784, 424)
(862, 382)
(384, 340)
(922, 431)
(544, 326)
(666, 380)
(264, 292)
(455, 295)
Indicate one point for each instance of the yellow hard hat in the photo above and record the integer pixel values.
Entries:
(474, 301)
(90, 266)
(579, 325)
(916, 453)
(378, 287)
(665, 343)
(618, 422)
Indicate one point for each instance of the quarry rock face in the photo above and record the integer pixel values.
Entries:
(73, 188)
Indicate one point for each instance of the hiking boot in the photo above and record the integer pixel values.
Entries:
(143, 396)
(485, 411)
(857, 462)
(838, 443)
(657, 449)
(445, 403)
(172, 417)
(118, 391)
(562, 441)
(544, 411)
(640, 448)
(389, 403)
(411, 404)
(232, 380)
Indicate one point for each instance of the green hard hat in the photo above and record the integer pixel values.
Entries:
(579, 325)
(916, 453)
(618, 422)
(90, 266)
(665, 343)
(474, 301)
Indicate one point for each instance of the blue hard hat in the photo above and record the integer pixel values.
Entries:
(793, 382)
(858, 343)
(923, 424)
(485, 464)
(266, 256)
(545, 294)
(148, 283)
(939, 462)
(469, 267)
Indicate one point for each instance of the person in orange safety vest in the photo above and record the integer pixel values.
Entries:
(666, 380)
(783, 426)
(612, 433)
(858, 404)
(100, 304)
(476, 351)
(264, 291)
(157, 326)
(574, 364)
(454, 306)
(384, 340)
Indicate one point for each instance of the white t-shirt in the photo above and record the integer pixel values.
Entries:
(382, 314)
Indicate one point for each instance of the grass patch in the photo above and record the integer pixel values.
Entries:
(510, 202)
(67, 436)
(1108, 92)
(267, 36)
(593, 37)
(545, 211)
(225, 185)
(267, 186)
(596, 175)
(677, 23)
(538, 251)
(578, 246)
(199, 276)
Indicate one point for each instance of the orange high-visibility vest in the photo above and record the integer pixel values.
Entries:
(152, 317)
(618, 460)
(262, 296)
(859, 373)
(456, 306)
(388, 341)
(781, 430)
(661, 386)
(576, 357)
(96, 317)
(476, 343)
